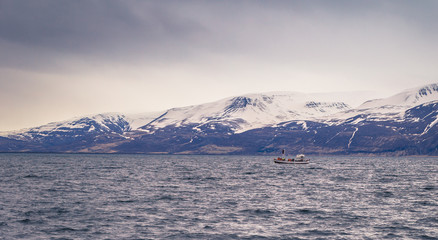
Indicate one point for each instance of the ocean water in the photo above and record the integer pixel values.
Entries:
(84, 196)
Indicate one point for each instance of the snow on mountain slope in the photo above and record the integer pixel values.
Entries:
(108, 123)
(139, 120)
(408, 98)
(251, 111)
(243, 113)
(391, 108)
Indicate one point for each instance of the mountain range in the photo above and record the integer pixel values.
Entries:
(265, 123)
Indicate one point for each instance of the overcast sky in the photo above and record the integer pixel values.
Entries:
(61, 58)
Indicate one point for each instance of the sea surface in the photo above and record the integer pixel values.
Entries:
(85, 196)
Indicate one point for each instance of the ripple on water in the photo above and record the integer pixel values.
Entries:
(257, 212)
(62, 196)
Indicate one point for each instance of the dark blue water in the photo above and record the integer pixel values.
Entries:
(51, 196)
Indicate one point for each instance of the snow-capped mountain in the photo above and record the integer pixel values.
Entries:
(241, 113)
(250, 111)
(406, 123)
(408, 98)
(388, 109)
(102, 123)
(114, 123)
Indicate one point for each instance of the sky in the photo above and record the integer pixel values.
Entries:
(61, 59)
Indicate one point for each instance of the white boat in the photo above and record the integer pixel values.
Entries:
(299, 159)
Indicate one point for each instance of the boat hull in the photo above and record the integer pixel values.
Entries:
(291, 162)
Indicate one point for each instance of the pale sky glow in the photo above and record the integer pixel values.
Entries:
(60, 58)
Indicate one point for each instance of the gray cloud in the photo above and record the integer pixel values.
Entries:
(96, 29)
(157, 30)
